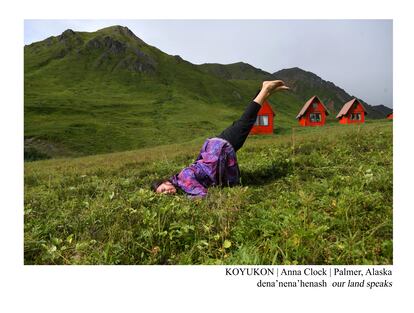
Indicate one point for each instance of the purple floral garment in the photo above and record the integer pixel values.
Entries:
(215, 165)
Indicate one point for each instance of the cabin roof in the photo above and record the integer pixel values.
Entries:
(349, 105)
(307, 104)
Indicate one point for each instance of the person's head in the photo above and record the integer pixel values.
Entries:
(163, 186)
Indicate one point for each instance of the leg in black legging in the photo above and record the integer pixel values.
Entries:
(237, 133)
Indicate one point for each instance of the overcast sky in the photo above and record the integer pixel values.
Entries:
(355, 55)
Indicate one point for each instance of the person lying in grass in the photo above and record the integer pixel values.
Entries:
(216, 164)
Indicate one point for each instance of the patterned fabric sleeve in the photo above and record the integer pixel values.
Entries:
(198, 191)
(187, 182)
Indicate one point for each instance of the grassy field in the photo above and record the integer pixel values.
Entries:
(312, 196)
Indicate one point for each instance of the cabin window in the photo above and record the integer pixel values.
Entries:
(355, 116)
(315, 105)
(315, 117)
(262, 120)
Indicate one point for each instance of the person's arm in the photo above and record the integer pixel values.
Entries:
(188, 183)
(197, 192)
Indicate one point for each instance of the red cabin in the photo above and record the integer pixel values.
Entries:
(390, 116)
(264, 120)
(313, 113)
(352, 112)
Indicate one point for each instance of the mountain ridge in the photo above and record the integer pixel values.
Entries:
(307, 84)
(294, 77)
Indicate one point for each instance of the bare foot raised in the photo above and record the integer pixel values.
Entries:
(269, 87)
(272, 86)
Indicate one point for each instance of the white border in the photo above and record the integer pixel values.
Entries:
(187, 288)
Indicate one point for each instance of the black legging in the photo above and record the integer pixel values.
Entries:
(237, 133)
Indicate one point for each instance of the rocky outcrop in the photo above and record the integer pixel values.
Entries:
(107, 43)
(123, 31)
(127, 57)
(69, 39)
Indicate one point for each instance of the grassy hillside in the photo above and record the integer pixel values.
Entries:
(318, 196)
(239, 70)
(106, 91)
(88, 93)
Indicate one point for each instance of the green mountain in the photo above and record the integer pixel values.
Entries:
(88, 93)
(97, 92)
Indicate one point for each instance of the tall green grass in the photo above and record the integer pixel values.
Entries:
(321, 196)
